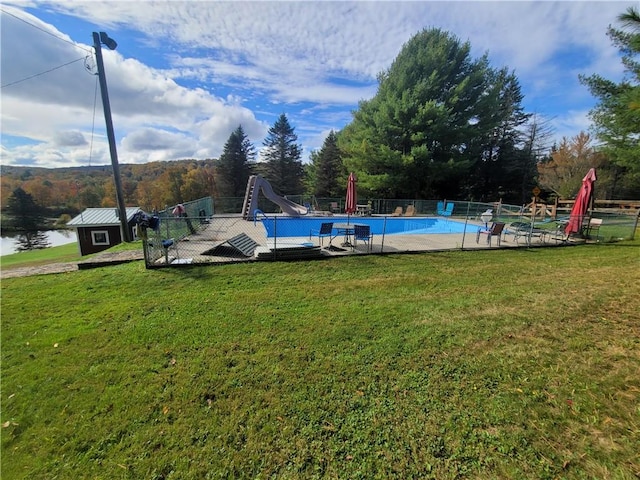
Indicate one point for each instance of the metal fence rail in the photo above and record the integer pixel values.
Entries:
(199, 237)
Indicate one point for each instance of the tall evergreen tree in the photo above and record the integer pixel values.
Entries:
(617, 115)
(234, 166)
(536, 148)
(23, 212)
(499, 160)
(437, 111)
(328, 168)
(282, 166)
(32, 240)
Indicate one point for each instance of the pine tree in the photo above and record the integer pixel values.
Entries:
(23, 212)
(33, 240)
(499, 161)
(617, 115)
(234, 166)
(328, 168)
(282, 166)
(436, 113)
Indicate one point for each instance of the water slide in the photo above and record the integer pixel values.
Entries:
(256, 184)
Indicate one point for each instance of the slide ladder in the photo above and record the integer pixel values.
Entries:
(247, 210)
(255, 184)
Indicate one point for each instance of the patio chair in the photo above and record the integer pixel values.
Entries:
(410, 211)
(593, 226)
(362, 232)
(333, 206)
(326, 230)
(494, 231)
(168, 244)
(397, 212)
(556, 234)
(440, 208)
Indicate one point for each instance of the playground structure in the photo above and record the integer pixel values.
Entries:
(255, 184)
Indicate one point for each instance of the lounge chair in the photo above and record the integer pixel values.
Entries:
(448, 211)
(397, 212)
(326, 230)
(333, 206)
(363, 233)
(527, 231)
(494, 231)
(410, 211)
(440, 208)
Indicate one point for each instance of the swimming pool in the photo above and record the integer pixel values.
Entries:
(301, 226)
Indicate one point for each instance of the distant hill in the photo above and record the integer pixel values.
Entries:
(148, 185)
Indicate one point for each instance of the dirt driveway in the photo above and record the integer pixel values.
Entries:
(104, 259)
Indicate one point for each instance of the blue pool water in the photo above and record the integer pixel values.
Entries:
(301, 226)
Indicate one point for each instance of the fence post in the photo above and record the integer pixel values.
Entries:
(275, 237)
(466, 221)
(635, 226)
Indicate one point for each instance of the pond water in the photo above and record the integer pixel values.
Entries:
(54, 237)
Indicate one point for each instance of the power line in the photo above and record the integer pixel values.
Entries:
(45, 31)
(42, 73)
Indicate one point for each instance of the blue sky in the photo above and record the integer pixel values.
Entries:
(186, 73)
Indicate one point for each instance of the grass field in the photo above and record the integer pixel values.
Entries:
(34, 258)
(63, 253)
(485, 364)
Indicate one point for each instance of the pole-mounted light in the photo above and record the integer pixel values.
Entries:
(100, 39)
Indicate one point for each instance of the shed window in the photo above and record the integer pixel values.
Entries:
(100, 237)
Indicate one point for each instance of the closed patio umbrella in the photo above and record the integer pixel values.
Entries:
(581, 205)
(351, 201)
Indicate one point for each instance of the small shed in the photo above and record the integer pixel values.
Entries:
(98, 229)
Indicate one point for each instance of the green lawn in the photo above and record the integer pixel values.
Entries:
(63, 253)
(33, 258)
(482, 364)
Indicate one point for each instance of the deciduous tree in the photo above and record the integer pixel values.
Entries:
(200, 182)
(569, 164)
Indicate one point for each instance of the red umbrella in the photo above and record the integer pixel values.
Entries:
(581, 205)
(350, 205)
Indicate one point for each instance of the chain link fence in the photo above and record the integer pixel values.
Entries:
(198, 236)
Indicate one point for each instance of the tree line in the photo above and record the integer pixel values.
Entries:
(441, 125)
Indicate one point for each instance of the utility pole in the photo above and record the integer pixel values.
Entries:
(110, 43)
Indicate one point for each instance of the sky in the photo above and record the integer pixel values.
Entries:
(185, 74)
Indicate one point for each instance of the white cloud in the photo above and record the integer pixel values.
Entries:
(572, 123)
(191, 72)
(69, 139)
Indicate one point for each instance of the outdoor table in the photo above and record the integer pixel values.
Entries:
(348, 230)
